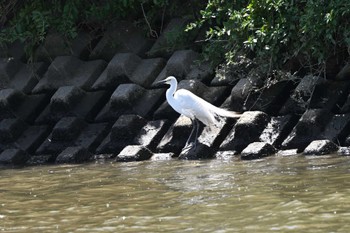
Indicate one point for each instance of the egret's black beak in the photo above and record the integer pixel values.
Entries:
(159, 83)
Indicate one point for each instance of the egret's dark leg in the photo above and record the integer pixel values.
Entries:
(195, 128)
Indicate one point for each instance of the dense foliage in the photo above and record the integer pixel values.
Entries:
(314, 34)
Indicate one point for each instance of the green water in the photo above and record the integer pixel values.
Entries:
(277, 194)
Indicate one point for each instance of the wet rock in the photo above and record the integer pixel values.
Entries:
(175, 138)
(320, 147)
(257, 150)
(309, 127)
(73, 101)
(13, 157)
(208, 142)
(162, 156)
(246, 130)
(41, 159)
(14, 104)
(278, 129)
(68, 70)
(287, 152)
(337, 128)
(298, 102)
(151, 134)
(343, 150)
(134, 153)
(119, 70)
(123, 132)
(329, 95)
(75, 154)
(130, 99)
(11, 129)
(121, 37)
(225, 155)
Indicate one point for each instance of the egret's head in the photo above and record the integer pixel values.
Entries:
(169, 80)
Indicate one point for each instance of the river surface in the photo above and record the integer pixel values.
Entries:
(276, 194)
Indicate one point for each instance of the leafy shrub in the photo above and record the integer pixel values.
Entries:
(314, 33)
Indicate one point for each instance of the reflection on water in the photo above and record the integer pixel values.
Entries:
(300, 194)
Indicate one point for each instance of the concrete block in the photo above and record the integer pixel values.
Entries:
(14, 104)
(337, 128)
(344, 151)
(56, 44)
(179, 64)
(163, 47)
(67, 129)
(257, 150)
(320, 147)
(309, 127)
(123, 132)
(11, 129)
(278, 129)
(75, 154)
(92, 136)
(8, 69)
(230, 74)
(271, 98)
(329, 95)
(130, 99)
(69, 70)
(175, 138)
(73, 101)
(121, 37)
(33, 137)
(151, 134)
(208, 142)
(134, 153)
(247, 130)
(203, 72)
(287, 152)
(13, 157)
(147, 71)
(299, 100)
(162, 156)
(119, 70)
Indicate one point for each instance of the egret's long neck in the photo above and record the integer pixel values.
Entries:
(170, 92)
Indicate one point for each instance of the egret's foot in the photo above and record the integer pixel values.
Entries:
(190, 146)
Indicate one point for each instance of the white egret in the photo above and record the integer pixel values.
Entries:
(194, 107)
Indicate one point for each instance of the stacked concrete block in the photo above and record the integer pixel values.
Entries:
(56, 44)
(122, 134)
(17, 75)
(257, 150)
(14, 104)
(320, 147)
(309, 127)
(130, 99)
(73, 101)
(247, 130)
(151, 134)
(120, 37)
(69, 70)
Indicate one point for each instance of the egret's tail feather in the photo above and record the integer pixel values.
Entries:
(226, 113)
